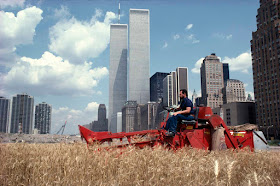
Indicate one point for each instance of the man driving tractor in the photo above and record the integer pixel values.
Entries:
(182, 113)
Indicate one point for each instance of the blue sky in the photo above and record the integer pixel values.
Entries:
(58, 51)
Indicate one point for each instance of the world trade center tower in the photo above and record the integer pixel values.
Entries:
(117, 71)
(139, 55)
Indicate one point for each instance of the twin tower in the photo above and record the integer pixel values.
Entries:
(129, 78)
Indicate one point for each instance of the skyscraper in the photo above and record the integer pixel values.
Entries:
(212, 81)
(265, 48)
(43, 115)
(118, 70)
(182, 80)
(139, 55)
(129, 116)
(168, 91)
(102, 113)
(172, 84)
(22, 114)
(102, 122)
(234, 91)
(156, 86)
(174, 88)
(4, 114)
(225, 72)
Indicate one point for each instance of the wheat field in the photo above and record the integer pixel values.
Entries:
(75, 164)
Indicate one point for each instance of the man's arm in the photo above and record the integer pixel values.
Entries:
(188, 110)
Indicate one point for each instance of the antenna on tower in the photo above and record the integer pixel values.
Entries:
(119, 12)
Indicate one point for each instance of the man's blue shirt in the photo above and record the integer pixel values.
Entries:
(186, 103)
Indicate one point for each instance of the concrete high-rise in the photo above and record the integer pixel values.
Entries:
(117, 70)
(139, 55)
(212, 81)
(129, 116)
(265, 48)
(182, 80)
(156, 86)
(174, 88)
(234, 91)
(22, 114)
(172, 84)
(43, 115)
(168, 91)
(237, 113)
(4, 114)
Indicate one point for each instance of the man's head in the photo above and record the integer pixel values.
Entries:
(183, 93)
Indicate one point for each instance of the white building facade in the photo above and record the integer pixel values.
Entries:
(139, 55)
(117, 71)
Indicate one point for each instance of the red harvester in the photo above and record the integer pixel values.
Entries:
(207, 131)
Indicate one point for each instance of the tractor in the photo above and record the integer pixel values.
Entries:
(207, 131)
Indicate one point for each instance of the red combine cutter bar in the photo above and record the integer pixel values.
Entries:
(200, 133)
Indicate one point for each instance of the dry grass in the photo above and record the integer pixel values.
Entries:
(74, 164)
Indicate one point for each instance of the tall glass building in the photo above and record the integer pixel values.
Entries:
(117, 70)
(43, 115)
(4, 114)
(139, 55)
(22, 114)
(225, 72)
(156, 86)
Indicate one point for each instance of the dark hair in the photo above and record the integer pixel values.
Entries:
(184, 91)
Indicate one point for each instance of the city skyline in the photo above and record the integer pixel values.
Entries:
(40, 60)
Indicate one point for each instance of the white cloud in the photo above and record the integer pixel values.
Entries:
(78, 41)
(197, 66)
(62, 13)
(176, 36)
(165, 45)
(195, 41)
(229, 37)
(222, 36)
(189, 26)
(11, 3)
(241, 63)
(17, 30)
(52, 75)
(92, 106)
(192, 38)
(73, 117)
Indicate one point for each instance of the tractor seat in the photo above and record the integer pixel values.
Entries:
(192, 122)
